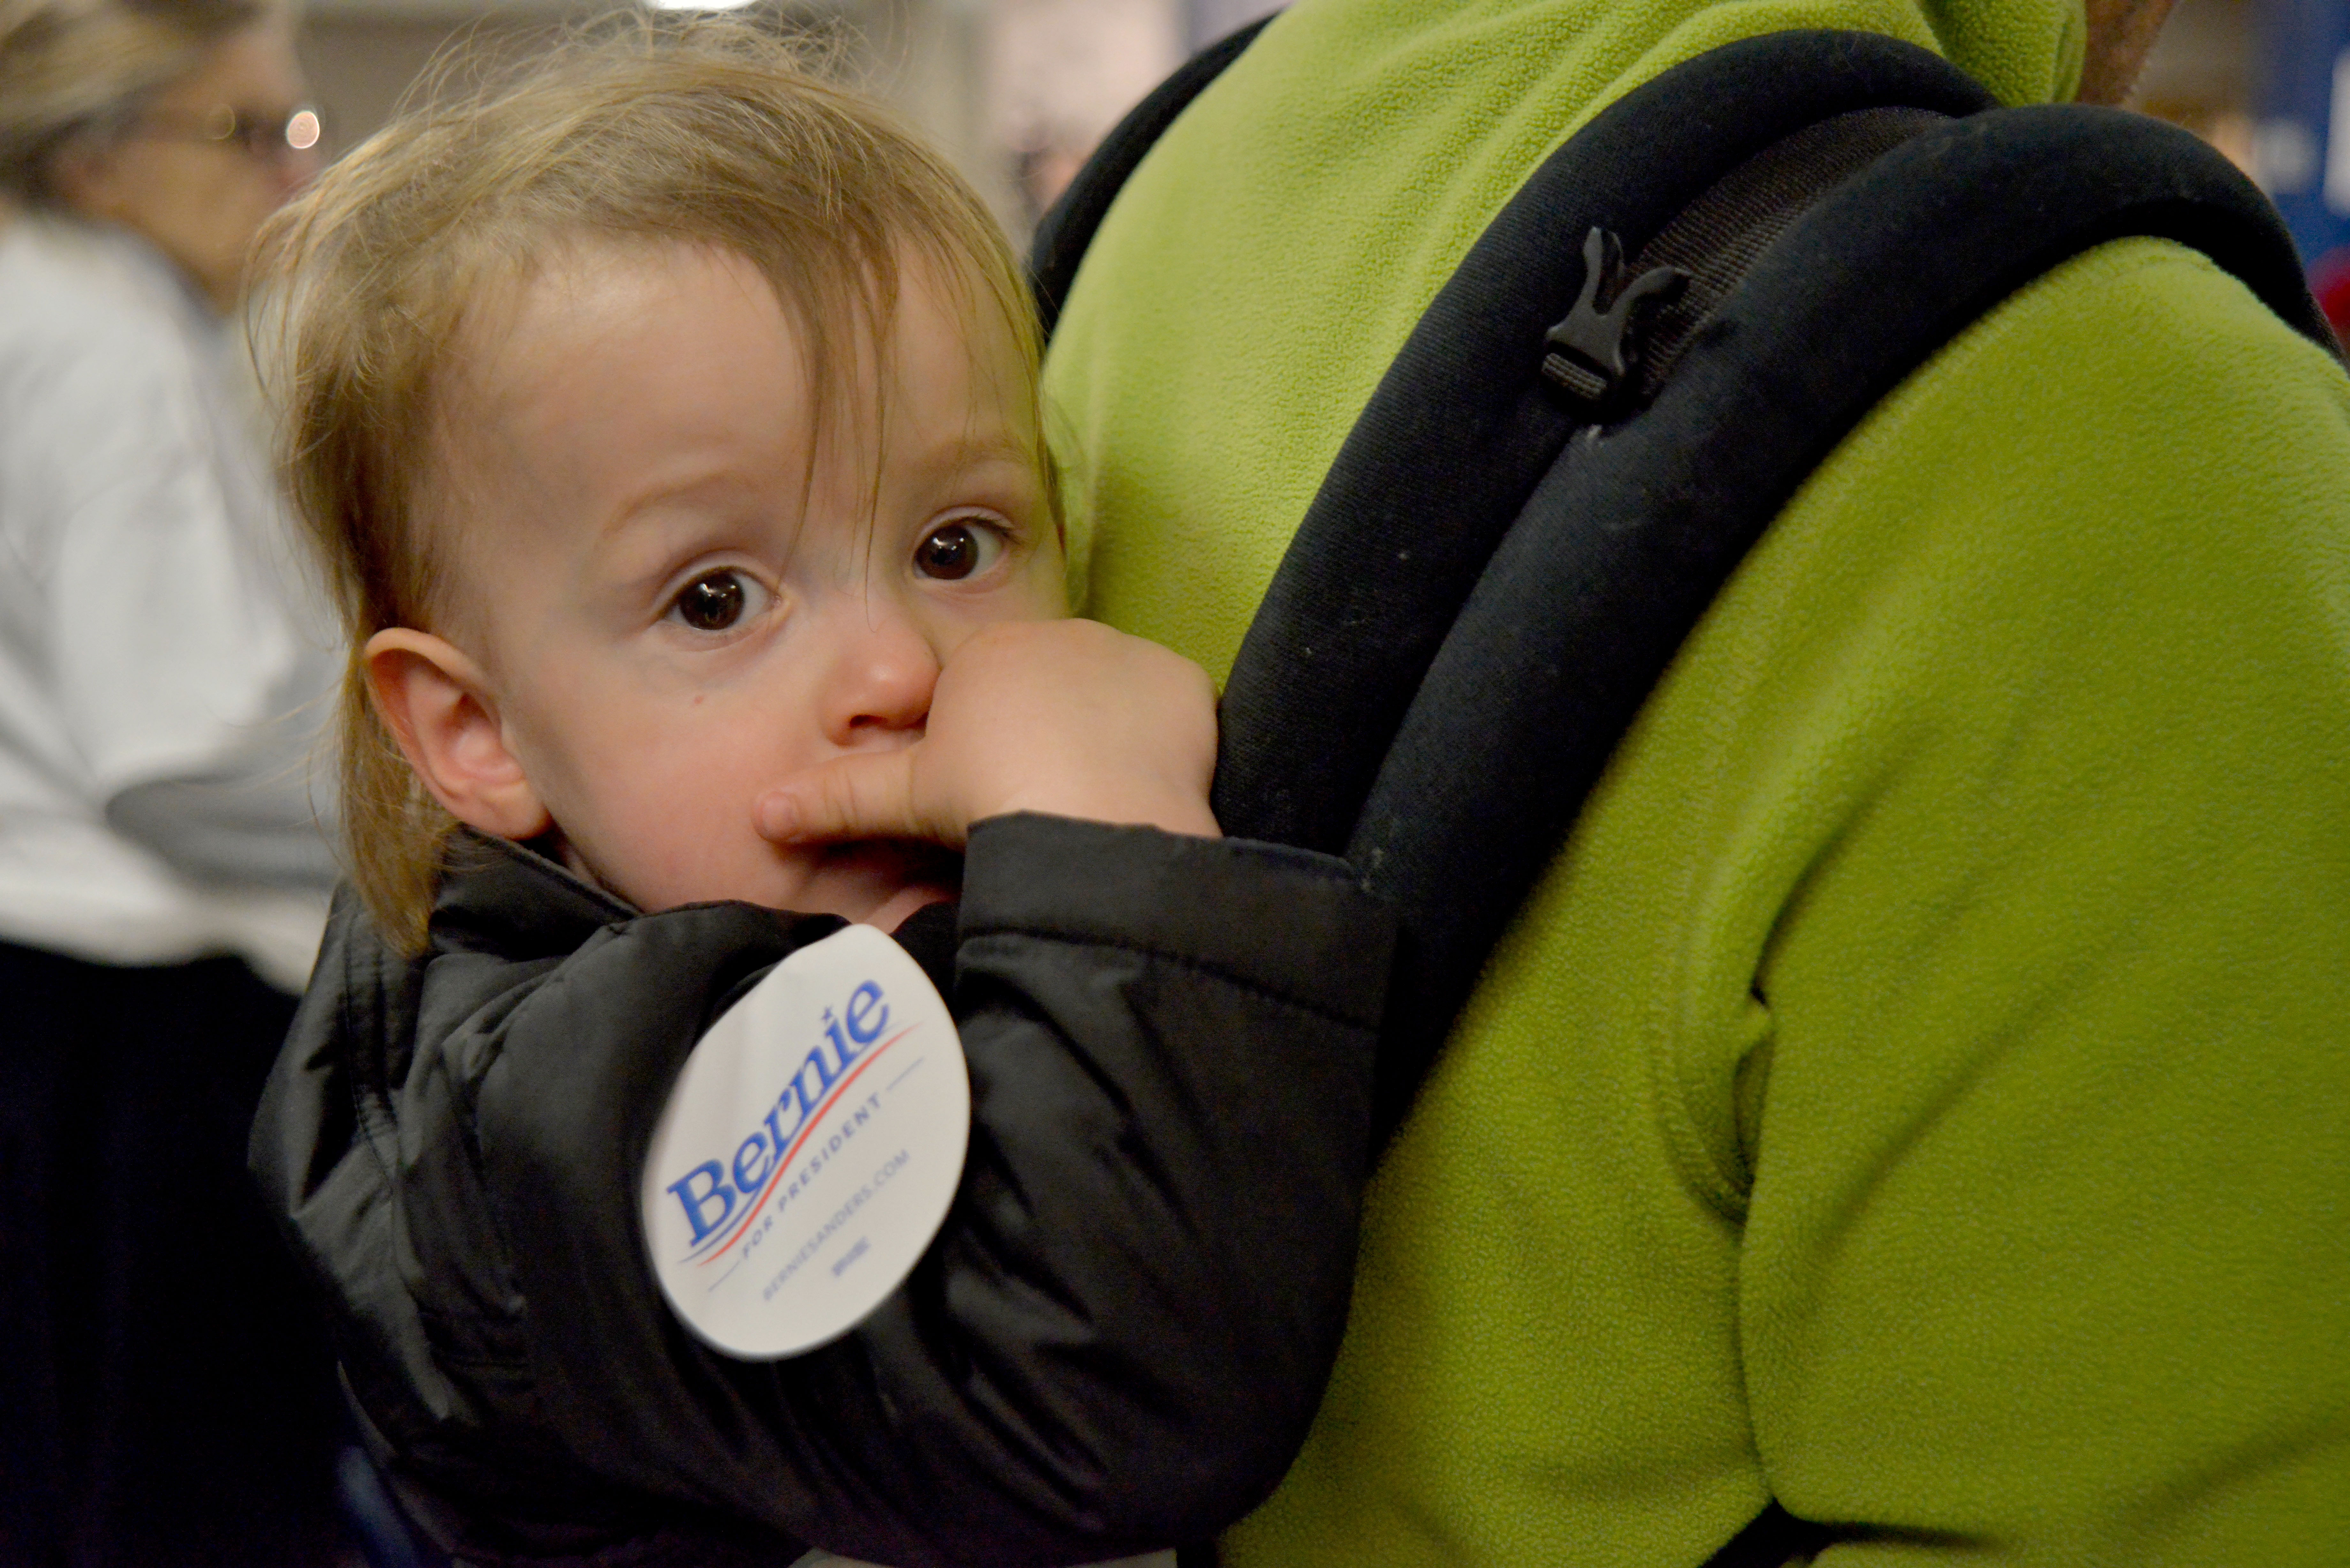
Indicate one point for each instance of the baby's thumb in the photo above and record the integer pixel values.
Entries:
(866, 795)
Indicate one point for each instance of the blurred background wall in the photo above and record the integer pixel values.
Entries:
(929, 56)
(1019, 90)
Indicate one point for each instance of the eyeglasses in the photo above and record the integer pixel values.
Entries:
(260, 135)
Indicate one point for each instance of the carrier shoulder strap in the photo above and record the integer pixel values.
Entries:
(1841, 206)
(1624, 538)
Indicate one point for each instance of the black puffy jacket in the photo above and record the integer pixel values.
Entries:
(1117, 1342)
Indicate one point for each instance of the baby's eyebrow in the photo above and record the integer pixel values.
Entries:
(988, 433)
(643, 541)
(969, 449)
(663, 495)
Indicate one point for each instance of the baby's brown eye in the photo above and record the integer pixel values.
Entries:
(712, 603)
(951, 551)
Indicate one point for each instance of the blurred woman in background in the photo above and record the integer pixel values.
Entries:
(161, 1400)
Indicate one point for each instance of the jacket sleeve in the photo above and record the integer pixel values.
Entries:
(1119, 1337)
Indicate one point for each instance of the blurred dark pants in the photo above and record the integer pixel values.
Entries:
(164, 1397)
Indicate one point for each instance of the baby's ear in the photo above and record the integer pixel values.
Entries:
(439, 706)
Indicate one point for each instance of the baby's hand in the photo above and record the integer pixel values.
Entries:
(1064, 716)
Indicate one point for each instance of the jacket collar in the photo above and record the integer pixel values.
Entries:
(501, 896)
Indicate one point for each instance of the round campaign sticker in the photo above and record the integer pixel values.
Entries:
(809, 1150)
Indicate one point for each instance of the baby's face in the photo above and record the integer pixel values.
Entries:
(675, 602)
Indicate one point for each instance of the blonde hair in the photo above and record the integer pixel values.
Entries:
(70, 68)
(711, 132)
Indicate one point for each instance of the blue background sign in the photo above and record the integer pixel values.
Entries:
(2303, 82)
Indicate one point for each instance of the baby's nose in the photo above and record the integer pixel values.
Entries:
(882, 679)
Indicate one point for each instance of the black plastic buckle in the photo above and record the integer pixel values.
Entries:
(1594, 350)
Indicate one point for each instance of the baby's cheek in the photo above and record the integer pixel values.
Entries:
(664, 783)
(691, 838)
(683, 849)
(605, 809)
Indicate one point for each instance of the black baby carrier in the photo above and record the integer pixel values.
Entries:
(1676, 318)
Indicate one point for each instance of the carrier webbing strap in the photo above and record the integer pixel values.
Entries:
(1717, 239)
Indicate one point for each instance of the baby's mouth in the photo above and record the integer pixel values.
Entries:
(900, 862)
(881, 882)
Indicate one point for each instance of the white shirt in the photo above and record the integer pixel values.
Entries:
(152, 626)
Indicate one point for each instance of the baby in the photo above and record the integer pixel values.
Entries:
(667, 423)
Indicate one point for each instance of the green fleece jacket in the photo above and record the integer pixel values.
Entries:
(1918, 1092)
